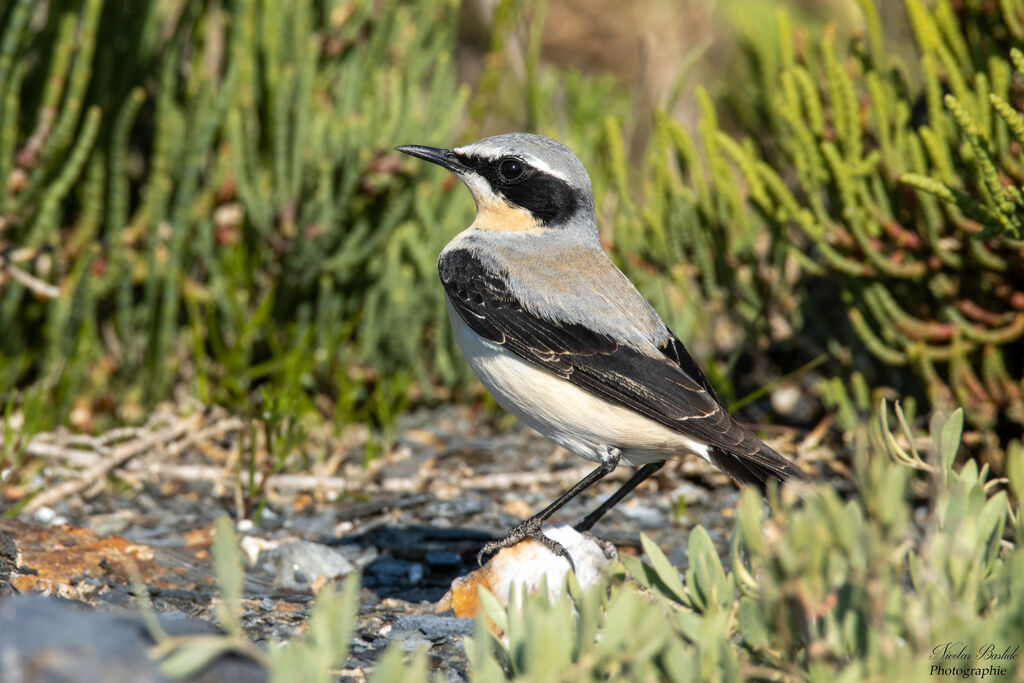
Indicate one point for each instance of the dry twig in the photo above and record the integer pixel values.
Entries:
(112, 458)
(38, 287)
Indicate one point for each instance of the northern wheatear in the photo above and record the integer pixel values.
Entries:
(563, 340)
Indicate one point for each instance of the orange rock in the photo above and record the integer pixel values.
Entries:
(463, 597)
(528, 563)
(201, 538)
(14, 493)
(52, 560)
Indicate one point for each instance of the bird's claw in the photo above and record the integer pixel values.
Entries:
(531, 528)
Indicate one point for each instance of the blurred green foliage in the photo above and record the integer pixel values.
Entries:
(202, 196)
(870, 588)
(860, 213)
(205, 192)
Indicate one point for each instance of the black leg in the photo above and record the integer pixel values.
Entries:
(531, 527)
(641, 474)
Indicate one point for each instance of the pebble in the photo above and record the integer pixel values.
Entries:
(44, 515)
(413, 643)
(645, 516)
(359, 556)
(296, 564)
(442, 558)
(689, 492)
(793, 402)
(391, 571)
(317, 525)
(110, 524)
(433, 626)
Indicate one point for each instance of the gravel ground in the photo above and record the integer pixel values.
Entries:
(411, 521)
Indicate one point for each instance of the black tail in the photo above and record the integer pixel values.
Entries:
(756, 469)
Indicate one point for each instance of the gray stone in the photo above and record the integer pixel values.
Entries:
(645, 516)
(433, 626)
(360, 556)
(109, 524)
(414, 642)
(297, 564)
(45, 640)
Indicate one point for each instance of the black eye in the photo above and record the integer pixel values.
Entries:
(511, 168)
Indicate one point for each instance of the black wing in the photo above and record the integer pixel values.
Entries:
(669, 389)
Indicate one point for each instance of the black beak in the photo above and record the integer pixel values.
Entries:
(442, 157)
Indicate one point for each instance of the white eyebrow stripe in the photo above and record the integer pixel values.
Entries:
(543, 167)
(494, 153)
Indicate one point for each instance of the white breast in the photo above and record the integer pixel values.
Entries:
(572, 417)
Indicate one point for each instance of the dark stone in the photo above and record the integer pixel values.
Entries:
(391, 571)
(433, 626)
(442, 558)
(115, 595)
(47, 639)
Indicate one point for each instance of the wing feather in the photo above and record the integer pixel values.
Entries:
(665, 385)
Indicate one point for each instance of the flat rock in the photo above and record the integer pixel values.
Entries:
(433, 626)
(47, 639)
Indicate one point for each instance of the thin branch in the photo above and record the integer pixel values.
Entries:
(114, 458)
(38, 287)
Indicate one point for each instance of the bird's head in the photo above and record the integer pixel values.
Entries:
(519, 181)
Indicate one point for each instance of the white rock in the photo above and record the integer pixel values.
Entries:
(528, 563)
(44, 515)
(252, 546)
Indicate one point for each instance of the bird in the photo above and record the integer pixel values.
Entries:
(564, 341)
